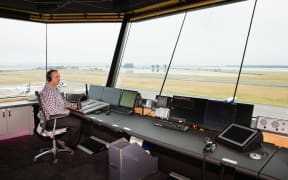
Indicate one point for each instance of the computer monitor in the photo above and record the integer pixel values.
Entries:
(218, 115)
(112, 95)
(188, 110)
(244, 114)
(95, 92)
(163, 101)
(128, 99)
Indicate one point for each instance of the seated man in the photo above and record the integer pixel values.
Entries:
(53, 103)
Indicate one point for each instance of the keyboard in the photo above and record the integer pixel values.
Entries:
(90, 105)
(94, 108)
(88, 102)
(122, 110)
(171, 125)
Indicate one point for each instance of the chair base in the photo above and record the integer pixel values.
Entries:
(53, 151)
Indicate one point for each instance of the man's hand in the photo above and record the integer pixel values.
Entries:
(74, 105)
(67, 112)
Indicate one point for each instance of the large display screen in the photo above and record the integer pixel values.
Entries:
(218, 115)
(188, 110)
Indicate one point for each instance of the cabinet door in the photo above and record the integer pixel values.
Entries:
(19, 118)
(3, 121)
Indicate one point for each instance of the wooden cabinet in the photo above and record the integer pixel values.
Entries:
(16, 121)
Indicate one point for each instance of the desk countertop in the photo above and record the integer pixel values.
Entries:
(17, 103)
(277, 167)
(189, 143)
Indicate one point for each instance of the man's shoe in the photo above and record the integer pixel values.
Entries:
(64, 146)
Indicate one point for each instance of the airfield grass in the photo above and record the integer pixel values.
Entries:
(193, 85)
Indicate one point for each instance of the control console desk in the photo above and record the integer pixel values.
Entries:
(189, 143)
(277, 167)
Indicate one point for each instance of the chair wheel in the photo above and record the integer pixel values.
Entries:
(55, 161)
(34, 159)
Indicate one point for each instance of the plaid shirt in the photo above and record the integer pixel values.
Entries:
(52, 101)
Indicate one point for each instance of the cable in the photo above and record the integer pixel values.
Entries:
(203, 174)
(244, 52)
(222, 172)
(172, 56)
(147, 114)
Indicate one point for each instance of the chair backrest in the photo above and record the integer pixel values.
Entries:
(40, 104)
(41, 127)
(41, 114)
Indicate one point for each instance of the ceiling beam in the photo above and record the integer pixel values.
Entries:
(158, 9)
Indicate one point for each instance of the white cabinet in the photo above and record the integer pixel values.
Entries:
(3, 122)
(16, 121)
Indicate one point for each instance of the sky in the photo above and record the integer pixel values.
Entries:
(214, 36)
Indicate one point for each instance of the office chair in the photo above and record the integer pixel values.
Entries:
(52, 134)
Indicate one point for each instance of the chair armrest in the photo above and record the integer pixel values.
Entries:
(57, 116)
(51, 134)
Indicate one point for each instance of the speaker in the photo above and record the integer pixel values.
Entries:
(244, 113)
(272, 124)
(162, 113)
(163, 101)
(141, 102)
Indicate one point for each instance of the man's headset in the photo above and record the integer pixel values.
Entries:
(49, 74)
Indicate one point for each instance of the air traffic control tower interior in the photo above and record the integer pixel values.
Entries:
(163, 89)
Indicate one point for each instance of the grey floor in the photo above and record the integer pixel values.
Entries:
(16, 162)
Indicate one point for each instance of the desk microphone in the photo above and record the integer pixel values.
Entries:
(86, 90)
(210, 146)
(255, 156)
